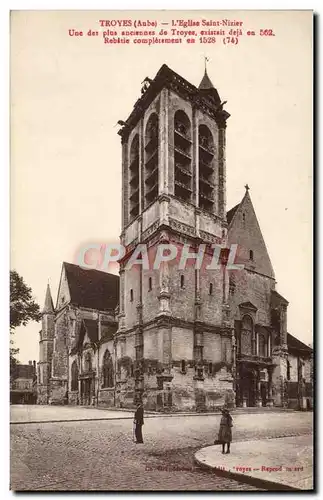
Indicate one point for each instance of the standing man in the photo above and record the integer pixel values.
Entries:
(139, 422)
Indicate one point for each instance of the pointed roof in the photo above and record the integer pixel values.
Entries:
(92, 288)
(231, 213)
(48, 306)
(244, 230)
(206, 83)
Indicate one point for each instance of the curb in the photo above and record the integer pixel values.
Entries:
(147, 415)
(157, 415)
(243, 478)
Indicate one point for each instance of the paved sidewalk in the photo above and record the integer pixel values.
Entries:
(21, 414)
(274, 464)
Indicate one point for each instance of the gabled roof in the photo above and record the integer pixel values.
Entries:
(89, 327)
(248, 305)
(48, 306)
(92, 288)
(244, 231)
(92, 329)
(297, 345)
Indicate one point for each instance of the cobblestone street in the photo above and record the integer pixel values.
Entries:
(101, 454)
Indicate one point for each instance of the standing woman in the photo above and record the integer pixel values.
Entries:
(225, 432)
(139, 422)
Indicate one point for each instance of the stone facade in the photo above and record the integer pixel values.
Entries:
(177, 338)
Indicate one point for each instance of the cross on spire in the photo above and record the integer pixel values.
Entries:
(206, 59)
(247, 187)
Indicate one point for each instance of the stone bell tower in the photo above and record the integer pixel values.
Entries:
(173, 322)
(46, 341)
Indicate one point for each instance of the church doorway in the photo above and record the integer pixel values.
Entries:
(264, 393)
(86, 391)
(246, 387)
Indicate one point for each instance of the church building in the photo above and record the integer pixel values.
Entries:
(176, 339)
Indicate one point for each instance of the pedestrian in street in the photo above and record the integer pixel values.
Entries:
(139, 422)
(225, 432)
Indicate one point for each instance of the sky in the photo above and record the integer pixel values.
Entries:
(67, 94)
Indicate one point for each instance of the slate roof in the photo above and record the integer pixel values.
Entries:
(231, 213)
(92, 288)
(297, 345)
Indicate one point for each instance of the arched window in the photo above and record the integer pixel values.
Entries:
(183, 366)
(251, 254)
(131, 295)
(246, 335)
(206, 170)
(75, 376)
(183, 156)
(88, 362)
(108, 372)
(134, 177)
(151, 159)
(210, 288)
(182, 281)
(150, 284)
(263, 347)
(288, 370)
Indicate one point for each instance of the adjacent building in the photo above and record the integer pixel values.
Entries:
(23, 387)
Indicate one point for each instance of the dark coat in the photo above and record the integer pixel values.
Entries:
(139, 416)
(225, 432)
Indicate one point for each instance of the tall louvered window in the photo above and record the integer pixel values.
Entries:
(183, 156)
(151, 159)
(134, 177)
(206, 169)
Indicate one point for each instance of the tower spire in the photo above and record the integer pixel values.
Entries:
(48, 306)
(206, 83)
